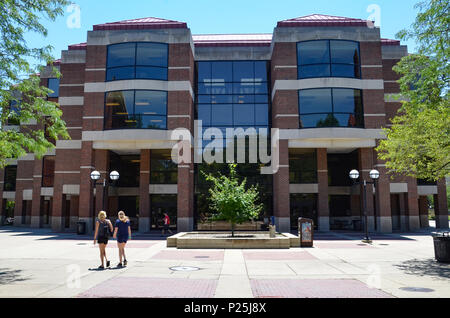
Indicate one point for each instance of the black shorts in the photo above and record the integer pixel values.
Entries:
(102, 240)
(166, 227)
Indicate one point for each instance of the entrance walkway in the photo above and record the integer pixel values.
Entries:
(40, 263)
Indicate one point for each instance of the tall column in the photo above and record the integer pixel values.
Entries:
(413, 204)
(74, 206)
(281, 190)
(144, 195)
(86, 206)
(403, 206)
(18, 204)
(322, 180)
(383, 198)
(58, 210)
(2, 208)
(102, 166)
(185, 197)
(423, 211)
(36, 203)
(366, 165)
(440, 206)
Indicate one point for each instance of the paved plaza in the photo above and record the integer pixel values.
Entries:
(39, 263)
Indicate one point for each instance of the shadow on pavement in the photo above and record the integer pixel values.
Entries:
(425, 267)
(8, 276)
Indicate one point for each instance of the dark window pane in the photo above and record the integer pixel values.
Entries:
(343, 70)
(148, 72)
(312, 121)
(244, 88)
(204, 114)
(204, 72)
(243, 99)
(261, 88)
(222, 115)
(303, 167)
(262, 114)
(10, 178)
(218, 87)
(119, 103)
(151, 122)
(204, 88)
(261, 98)
(120, 73)
(344, 52)
(319, 70)
(261, 71)
(222, 71)
(346, 100)
(121, 54)
(154, 54)
(151, 103)
(315, 101)
(346, 120)
(128, 166)
(243, 71)
(204, 99)
(53, 84)
(313, 52)
(244, 114)
(120, 122)
(14, 113)
(48, 171)
(221, 99)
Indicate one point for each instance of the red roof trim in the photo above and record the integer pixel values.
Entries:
(317, 20)
(141, 24)
(390, 42)
(80, 46)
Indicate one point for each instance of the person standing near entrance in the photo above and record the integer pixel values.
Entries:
(123, 234)
(166, 224)
(103, 228)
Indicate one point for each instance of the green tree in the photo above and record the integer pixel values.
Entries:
(17, 86)
(231, 200)
(418, 143)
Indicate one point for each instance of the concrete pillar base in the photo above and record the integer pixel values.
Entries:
(185, 224)
(371, 223)
(324, 223)
(144, 225)
(414, 223)
(404, 223)
(73, 223)
(424, 222)
(18, 221)
(442, 222)
(58, 224)
(283, 224)
(384, 224)
(36, 222)
(89, 225)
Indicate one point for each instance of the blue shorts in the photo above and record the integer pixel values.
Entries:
(123, 239)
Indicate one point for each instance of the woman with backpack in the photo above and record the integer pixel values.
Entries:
(123, 234)
(103, 229)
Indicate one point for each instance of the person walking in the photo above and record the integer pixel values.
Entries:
(166, 224)
(123, 234)
(103, 228)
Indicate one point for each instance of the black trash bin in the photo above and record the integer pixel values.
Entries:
(442, 246)
(81, 228)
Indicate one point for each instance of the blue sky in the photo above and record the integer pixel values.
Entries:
(216, 17)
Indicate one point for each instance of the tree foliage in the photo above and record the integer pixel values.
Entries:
(18, 17)
(418, 143)
(231, 200)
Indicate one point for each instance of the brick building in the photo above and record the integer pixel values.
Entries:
(326, 82)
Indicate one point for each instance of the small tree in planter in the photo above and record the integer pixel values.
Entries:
(230, 199)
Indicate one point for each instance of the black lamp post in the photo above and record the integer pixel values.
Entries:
(374, 175)
(95, 176)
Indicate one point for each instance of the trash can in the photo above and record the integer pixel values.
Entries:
(81, 228)
(441, 246)
(306, 232)
(357, 225)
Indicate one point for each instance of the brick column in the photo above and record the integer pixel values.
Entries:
(403, 205)
(144, 195)
(2, 183)
(185, 212)
(323, 209)
(365, 165)
(58, 210)
(383, 199)
(440, 206)
(18, 204)
(281, 190)
(36, 203)
(413, 205)
(86, 207)
(102, 166)
(74, 205)
(423, 212)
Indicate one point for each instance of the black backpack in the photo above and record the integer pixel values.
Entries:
(104, 230)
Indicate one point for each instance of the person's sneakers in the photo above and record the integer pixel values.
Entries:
(125, 263)
(119, 265)
(108, 263)
(101, 267)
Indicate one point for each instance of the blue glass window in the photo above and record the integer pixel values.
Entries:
(143, 60)
(330, 107)
(328, 58)
(53, 84)
(140, 109)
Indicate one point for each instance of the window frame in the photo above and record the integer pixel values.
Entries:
(135, 65)
(330, 64)
(332, 107)
(134, 109)
(48, 86)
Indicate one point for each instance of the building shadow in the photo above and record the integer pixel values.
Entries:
(425, 267)
(8, 276)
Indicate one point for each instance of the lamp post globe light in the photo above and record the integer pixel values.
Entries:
(374, 175)
(95, 176)
(114, 176)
